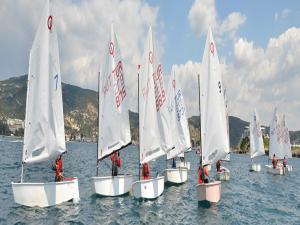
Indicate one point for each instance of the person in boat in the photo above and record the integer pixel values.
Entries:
(284, 165)
(203, 174)
(173, 163)
(58, 169)
(274, 162)
(119, 160)
(218, 166)
(146, 171)
(114, 164)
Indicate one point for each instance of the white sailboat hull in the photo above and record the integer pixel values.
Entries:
(227, 158)
(255, 167)
(210, 192)
(45, 194)
(176, 176)
(148, 189)
(112, 186)
(223, 175)
(185, 164)
(278, 170)
(288, 168)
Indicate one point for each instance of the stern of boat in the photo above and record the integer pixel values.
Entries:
(148, 189)
(112, 185)
(45, 194)
(210, 192)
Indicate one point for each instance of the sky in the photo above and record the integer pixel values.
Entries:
(258, 43)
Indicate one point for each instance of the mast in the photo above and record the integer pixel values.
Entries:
(22, 172)
(200, 122)
(97, 163)
(139, 122)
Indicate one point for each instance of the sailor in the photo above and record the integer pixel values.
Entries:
(173, 163)
(114, 164)
(58, 169)
(119, 160)
(284, 165)
(274, 161)
(203, 174)
(218, 166)
(146, 171)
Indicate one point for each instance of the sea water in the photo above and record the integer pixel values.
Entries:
(247, 198)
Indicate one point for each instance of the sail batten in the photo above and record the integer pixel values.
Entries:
(44, 135)
(114, 127)
(214, 135)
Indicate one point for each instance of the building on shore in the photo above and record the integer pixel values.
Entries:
(15, 124)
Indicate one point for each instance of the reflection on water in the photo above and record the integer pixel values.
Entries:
(276, 197)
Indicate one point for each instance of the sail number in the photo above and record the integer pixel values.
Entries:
(116, 81)
(159, 90)
(56, 78)
(180, 110)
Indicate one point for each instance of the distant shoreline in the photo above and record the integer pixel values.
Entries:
(295, 152)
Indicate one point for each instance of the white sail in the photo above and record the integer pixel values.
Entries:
(286, 143)
(256, 139)
(214, 136)
(275, 146)
(155, 139)
(44, 121)
(114, 127)
(227, 157)
(178, 124)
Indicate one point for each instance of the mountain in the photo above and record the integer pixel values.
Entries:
(80, 105)
(236, 129)
(80, 111)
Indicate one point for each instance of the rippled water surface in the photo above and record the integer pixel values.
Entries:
(248, 198)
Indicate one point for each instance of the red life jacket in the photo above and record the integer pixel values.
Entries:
(274, 162)
(119, 162)
(60, 166)
(284, 162)
(200, 179)
(57, 169)
(146, 171)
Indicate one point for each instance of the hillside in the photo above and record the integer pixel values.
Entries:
(80, 111)
(80, 105)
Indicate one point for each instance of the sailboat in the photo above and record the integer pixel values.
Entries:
(214, 136)
(279, 143)
(180, 131)
(286, 142)
(44, 136)
(256, 141)
(113, 122)
(154, 133)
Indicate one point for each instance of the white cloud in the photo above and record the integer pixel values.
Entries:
(282, 15)
(285, 13)
(276, 16)
(267, 77)
(258, 78)
(203, 14)
(83, 28)
(231, 24)
(187, 77)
